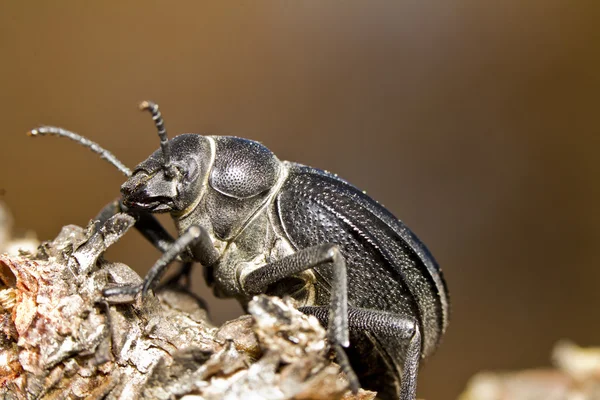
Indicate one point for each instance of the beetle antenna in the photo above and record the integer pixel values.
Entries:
(95, 147)
(162, 132)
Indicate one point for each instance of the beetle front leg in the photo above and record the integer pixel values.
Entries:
(190, 237)
(184, 273)
(258, 280)
(152, 230)
(145, 223)
(193, 236)
(395, 330)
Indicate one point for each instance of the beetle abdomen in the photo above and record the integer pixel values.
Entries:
(389, 269)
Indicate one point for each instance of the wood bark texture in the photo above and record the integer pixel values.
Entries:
(60, 339)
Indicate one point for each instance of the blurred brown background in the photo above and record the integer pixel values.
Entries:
(475, 123)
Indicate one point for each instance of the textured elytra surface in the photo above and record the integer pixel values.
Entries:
(385, 272)
(60, 339)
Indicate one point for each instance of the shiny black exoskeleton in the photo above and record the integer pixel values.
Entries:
(261, 225)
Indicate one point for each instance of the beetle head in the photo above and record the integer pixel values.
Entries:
(156, 188)
(170, 180)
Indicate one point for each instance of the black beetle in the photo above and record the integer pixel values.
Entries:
(261, 225)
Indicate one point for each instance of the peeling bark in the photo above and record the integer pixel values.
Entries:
(60, 339)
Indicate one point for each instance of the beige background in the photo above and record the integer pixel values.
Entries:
(474, 122)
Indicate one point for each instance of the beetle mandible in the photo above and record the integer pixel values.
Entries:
(260, 225)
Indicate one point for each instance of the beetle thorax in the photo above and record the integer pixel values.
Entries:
(232, 206)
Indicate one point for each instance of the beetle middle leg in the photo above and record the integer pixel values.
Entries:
(258, 280)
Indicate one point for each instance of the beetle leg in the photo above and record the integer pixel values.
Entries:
(194, 235)
(145, 223)
(258, 280)
(395, 330)
(184, 274)
(152, 230)
(109, 210)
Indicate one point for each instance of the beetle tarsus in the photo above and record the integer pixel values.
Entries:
(345, 366)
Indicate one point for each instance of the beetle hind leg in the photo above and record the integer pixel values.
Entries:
(394, 332)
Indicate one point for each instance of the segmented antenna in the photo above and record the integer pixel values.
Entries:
(162, 133)
(95, 147)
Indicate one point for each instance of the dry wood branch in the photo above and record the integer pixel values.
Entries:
(60, 339)
(576, 377)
